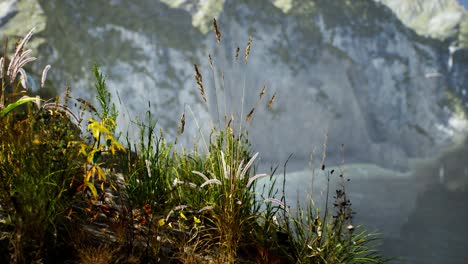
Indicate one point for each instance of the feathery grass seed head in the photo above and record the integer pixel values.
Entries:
(2, 61)
(177, 208)
(206, 208)
(277, 202)
(24, 78)
(223, 161)
(201, 175)
(254, 178)
(246, 168)
(148, 167)
(211, 181)
(44, 75)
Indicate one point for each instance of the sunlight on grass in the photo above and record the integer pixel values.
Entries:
(69, 193)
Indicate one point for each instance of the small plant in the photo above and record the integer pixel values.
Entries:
(219, 187)
(330, 237)
(146, 171)
(103, 140)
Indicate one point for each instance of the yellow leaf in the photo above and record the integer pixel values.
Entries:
(119, 146)
(93, 126)
(71, 143)
(182, 216)
(101, 174)
(90, 173)
(90, 157)
(102, 186)
(83, 150)
(114, 144)
(161, 222)
(92, 189)
(97, 128)
(197, 221)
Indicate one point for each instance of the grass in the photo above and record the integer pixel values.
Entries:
(80, 191)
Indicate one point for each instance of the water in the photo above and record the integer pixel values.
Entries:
(360, 77)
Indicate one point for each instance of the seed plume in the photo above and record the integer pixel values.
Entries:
(237, 54)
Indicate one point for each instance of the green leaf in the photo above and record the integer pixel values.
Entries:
(14, 105)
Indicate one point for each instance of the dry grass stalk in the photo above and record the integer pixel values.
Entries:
(247, 50)
(182, 123)
(210, 61)
(199, 79)
(101, 254)
(271, 101)
(1, 67)
(249, 116)
(230, 121)
(260, 96)
(237, 54)
(67, 95)
(91, 251)
(263, 91)
(87, 105)
(324, 150)
(216, 30)
(2, 95)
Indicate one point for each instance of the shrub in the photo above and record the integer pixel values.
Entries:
(37, 165)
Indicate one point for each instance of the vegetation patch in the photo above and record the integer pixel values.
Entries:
(72, 190)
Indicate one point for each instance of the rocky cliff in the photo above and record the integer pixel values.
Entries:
(351, 68)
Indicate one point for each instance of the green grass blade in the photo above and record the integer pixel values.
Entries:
(16, 104)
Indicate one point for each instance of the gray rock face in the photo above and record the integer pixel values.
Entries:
(434, 18)
(17, 17)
